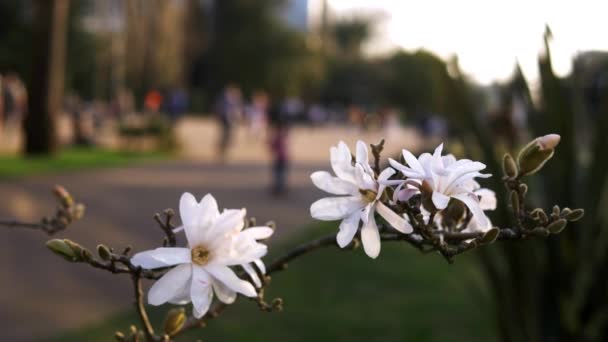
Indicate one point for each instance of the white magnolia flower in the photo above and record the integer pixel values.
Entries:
(446, 177)
(215, 242)
(487, 201)
(359, 192)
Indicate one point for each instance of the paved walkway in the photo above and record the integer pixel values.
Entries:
(54, 295)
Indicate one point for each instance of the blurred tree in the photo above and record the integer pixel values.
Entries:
(350, 34)
(46, 82)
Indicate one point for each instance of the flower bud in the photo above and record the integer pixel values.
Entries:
(490, 236)
(174, 321)
(575, 215)
(533, 156)
(509, 168)
(427, 197)
(63, 196)
(549, 141)
(61, 248)
(523, 189)
(557, 226)
(104, 252)
(78, 211)
(119, 336)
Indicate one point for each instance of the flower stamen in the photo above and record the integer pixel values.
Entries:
(200, 255)
(368, 195)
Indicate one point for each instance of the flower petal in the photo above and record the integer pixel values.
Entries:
(253, 275)
(200, 291)
(382, 178)
(231, 221)
(440, 200)
(227, 276)
(335, 208)
(260, 265)
(362, 156)
(188, 209)
(348, 229)
(341, 162)
(161, 257)
(487, 199)
(223, 292)
(396, 221)
(333, 185)
(258, 233)
(197, 217)
(472, 202)
(413, 162)
(406, 171)
(370, 237)
(170, 286)
(364, 179)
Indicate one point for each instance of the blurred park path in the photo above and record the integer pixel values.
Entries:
(53, 295)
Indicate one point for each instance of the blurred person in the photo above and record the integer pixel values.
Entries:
(292, 107)
(177, 104)
(227, 109)
(123, 103)
(15, 98)
(278, 144)
(82, 123)
(257, 114)
(317, 115)
(153, 101)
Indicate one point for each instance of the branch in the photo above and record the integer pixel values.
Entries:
(66, 213)
(139, 305)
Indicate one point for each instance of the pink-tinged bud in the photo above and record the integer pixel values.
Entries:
(549, 141)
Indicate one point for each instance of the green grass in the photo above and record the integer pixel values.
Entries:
(335, 295)
(70, 159)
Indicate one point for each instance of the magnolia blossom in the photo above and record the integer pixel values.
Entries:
(359, 198)
(215, 242)
(487, 201)
(446, 178)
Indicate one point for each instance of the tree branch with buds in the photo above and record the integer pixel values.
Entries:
(432, 202)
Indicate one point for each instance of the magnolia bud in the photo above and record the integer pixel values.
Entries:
(557, 226)
(174, 321)
(575, 215)
(104, 252)
(549, 141)
(119, 336)
(533, 156)
(490, 236)
(509, 168)
(63, 196)
(78, 211)
(61, 248)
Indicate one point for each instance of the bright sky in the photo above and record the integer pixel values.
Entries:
(489, 36)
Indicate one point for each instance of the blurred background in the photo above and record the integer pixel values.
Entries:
(129, 103)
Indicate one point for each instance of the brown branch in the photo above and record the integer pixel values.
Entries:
(139, 305)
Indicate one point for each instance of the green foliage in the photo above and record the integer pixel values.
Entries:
(335, 295)
(70, 159)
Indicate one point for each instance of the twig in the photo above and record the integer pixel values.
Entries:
(139, 305)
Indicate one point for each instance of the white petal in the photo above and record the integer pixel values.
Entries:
(170, 285)
(472, 202)
(348, 229)
(188, 209)
(413, 162)
(231, 221)
(334, 185)
(382, 177)
(487, 199)
(258, 233)
(161, 257)
(200, 291)
(260, 265)
(364, 180)
(440, 200)
(253, 275)
(362, 152)
(341, 162)
(223, 292)
(396, 221)
(370, 237)
(227, 276)
(335, 208)
(406, 171)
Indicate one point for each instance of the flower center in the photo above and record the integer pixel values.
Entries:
(200, 255)
(368, 195)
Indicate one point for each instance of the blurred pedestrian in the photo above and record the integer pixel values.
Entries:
(278, 144)
(257, 115)
(153, 101)
(227, 109)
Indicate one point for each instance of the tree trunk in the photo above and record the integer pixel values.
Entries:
(47, 77)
